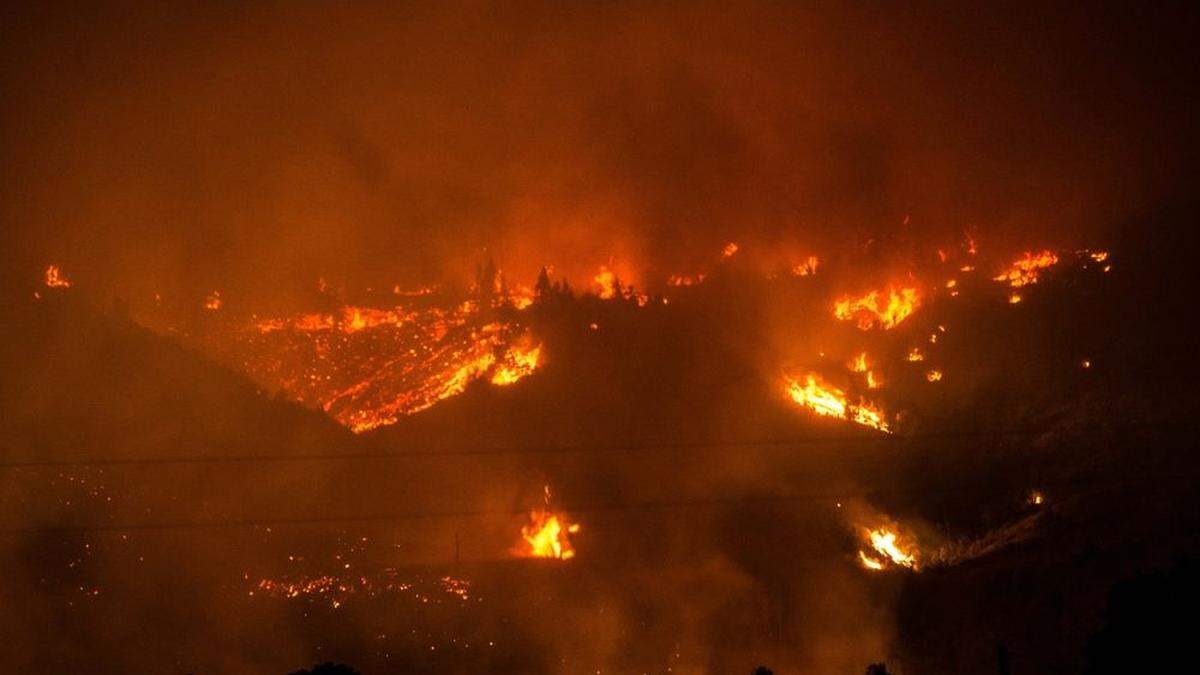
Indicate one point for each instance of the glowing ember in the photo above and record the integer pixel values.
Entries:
(546, 535)
(1015, 298)
(1026, 269)
(915, 355)
(934, 376)
(55, 278)
(730, 249)
(368, 367)
(873, 310)
(883, 541)
(685, 280)
(1036, 498)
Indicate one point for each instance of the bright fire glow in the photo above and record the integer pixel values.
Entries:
(877, 310)
(1025, 270)
(606, 283)
(547, 534)
(730, 249)
(212, 302)
(520, 360)
(883, 542)
(55, 278)
(827, 400)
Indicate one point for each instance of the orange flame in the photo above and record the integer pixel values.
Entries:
(55, 278)
(807, 268)
(827, 400)
(685, 280)
(520, 360)
(1025, 270)
(730, 249)
(883, 542)
(871, 310)
(546, 535)
(606, 283)
(860, 365)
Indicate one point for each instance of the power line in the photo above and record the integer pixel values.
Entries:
(542, 450)
(658, 505)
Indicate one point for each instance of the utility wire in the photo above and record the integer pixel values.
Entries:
(880, 438)
(655, 505)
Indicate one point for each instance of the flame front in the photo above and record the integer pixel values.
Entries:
(1025, 270)
(883, 542)
(520, 360)
(873, 311)
(825, 399)
(819, 398)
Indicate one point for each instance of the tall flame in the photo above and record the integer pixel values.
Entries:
(546, 535)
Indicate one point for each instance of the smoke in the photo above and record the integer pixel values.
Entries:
(182, 148)
(177, 150)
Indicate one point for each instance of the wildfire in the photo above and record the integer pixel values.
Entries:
(606, 283)
(876, 310)
(819, 398)
(520, 360)
(806, 268)
(55, 278)
(1025, 270)
(368, 367)
(915, 355)
(860, 365)
(933, 375)
(883, 543)
(685, 280)
(546, 535)
(825, 399)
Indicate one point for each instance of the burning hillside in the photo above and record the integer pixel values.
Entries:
(598, 337)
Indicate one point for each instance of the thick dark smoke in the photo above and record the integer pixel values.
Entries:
(184, 147)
